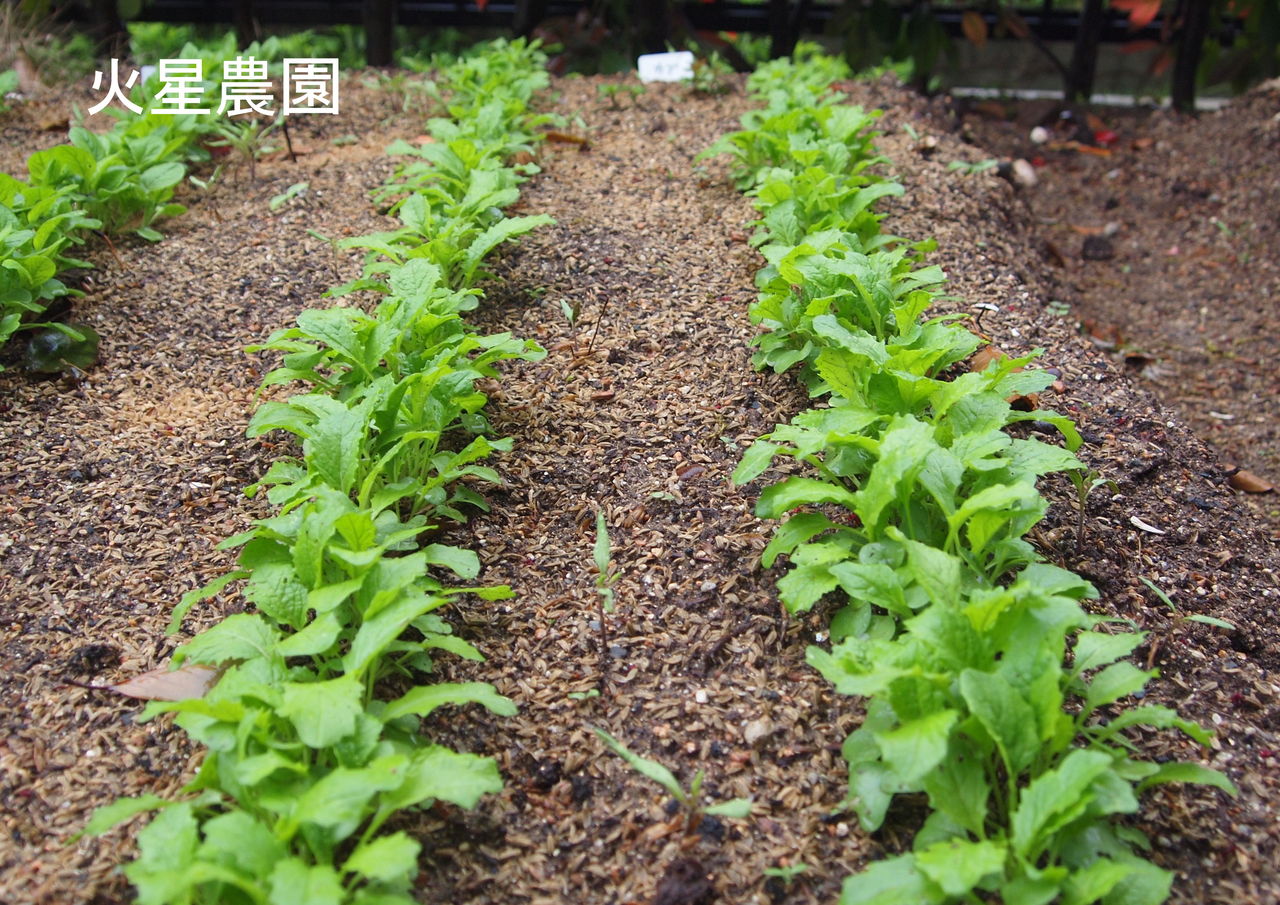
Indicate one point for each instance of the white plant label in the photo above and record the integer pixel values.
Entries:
(666, 67)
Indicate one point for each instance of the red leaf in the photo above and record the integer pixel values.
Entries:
(1141, 12)
(481, 4)
(1141, 46)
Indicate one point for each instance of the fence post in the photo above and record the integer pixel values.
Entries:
(1084, 56)
(1195, 24)
(528, 14)
(379, 32)
(246, 28)
(109, 36)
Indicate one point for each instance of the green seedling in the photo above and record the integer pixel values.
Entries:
(584, 695)
(1057, 308)
(570, 310)
(1086, 481)
(970, 168)
(787, 873)
(690, 800)
(297, 190)
(605, 579)
(612, 91)
(247, 137)
(343, 141)
(711, 76)
(1178, 617)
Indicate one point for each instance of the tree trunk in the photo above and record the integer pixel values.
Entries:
(246, 27)
(379, 32)
(109, 35)
(528, 14)
(1083, 67)
(1195, 26)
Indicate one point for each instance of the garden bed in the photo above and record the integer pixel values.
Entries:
(118, 487)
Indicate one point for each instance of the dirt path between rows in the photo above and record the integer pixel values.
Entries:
(641, 409)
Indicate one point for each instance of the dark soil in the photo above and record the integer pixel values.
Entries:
(1166, 246)
(116, 489)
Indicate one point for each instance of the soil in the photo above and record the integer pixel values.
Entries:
(117, 487)
(1166, 247)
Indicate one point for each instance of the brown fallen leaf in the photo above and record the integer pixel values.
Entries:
(661, 830)
(974, 27)
(163, 684)
(56, 124)
(602, 396)
(983, 358)
(1249, 482)
(1054, 254)
(565, 138)
(1079, 148)
(29, 81)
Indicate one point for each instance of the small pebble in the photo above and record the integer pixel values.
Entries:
(700, 696)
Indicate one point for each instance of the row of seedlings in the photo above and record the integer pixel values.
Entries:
(110, 183)
(990, 691)
(313, 727)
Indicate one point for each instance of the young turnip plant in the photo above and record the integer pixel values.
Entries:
(691, 800)
(605, 579)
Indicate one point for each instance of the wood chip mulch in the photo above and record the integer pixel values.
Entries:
(114, 491)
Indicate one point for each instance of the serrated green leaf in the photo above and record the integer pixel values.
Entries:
(426, 698)
(242, 636)
(386, 859)
(322, 712)
(957, 866)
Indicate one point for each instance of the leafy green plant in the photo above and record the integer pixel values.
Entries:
(991, 692)
(8, 84)
(711, 76)
(691, 799)
(308, 755)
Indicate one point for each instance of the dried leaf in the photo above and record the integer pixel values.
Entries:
(1143, 526)
(984, 357)
(566, 139)
(1160, 65)
(974, 27)
(1250, 482)
(164, 684)
(1016, 25)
